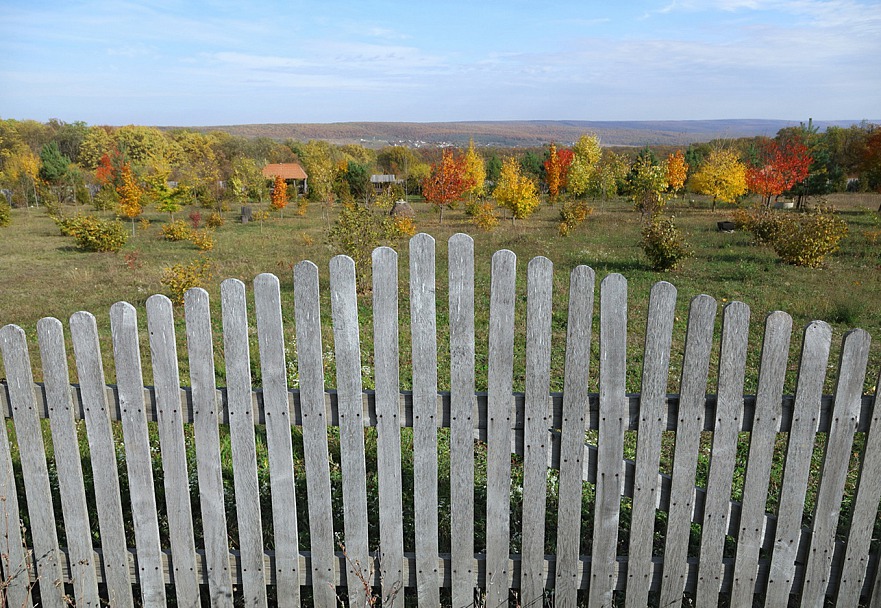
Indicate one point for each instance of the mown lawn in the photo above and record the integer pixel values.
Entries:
(44, 275)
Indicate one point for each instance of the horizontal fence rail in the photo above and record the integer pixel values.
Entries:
(196, 491)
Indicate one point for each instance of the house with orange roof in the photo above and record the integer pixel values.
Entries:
(292, 173)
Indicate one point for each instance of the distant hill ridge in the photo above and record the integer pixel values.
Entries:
(524, 133)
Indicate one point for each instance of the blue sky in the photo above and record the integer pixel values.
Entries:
(215, 63)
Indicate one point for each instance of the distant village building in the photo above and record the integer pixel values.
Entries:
(292, 173)
(383, 182)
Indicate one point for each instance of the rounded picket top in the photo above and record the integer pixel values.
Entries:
(779, 317)
(159, 303)
(663, 289)
(195, 297)
(538, 263)
(231, 288)
(304, 270)
(10, 331)
(49, 324)
(342, 264)
(614, 280)
(461, 239)
(422, 239)
(266, 279)
(82, 319)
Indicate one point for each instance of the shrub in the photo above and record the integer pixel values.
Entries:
(764, 224)
(5, 214)
(484, 216)
(195, 219)
(176, 231)
(402, 226)
(215, 220)
(806, 239)
(572, 213)
(202, 239)
(663, 244)
(181, 277)
(356, 233)
(93, 234)
(143, 223)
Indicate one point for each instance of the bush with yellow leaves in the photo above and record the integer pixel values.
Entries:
(805, 239)
(181, 277)
(177, 230)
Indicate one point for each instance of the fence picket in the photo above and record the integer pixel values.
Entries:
(865, 510)
(765, 425)
(462, 405)
(241, 434)
(848, 391)
(102, 453)
(388, 425)
(347, 351)
(20, 382)
(138, 460)
(729, 410)
(14, 555)
(610, 440)
(200, 350)
(423, 331)
(693, 389)
(652, 411)
(498, 450)
(273, 371)
(310, 368)
(808, 392)
(166, 379)
(573, 426)
(56, 378)
(535, 437)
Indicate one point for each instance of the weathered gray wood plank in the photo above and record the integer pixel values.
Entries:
(574, 423)
(865, 510)
(652, 413)
(241, 433)
(809, 389)
(200, 350)
(166, 381)
(347, 351)
(32, 455)
(78, 531)
(311, 373)
(498, 456)
(388, 426)
(610, 439)
(273, 371)
(423, 331)
(138, 459)
(693, 390)
(14, 557)
(462, 405)
(535, 437)
(729, 409)
(848, 391)
(102, 452)
(766, 423)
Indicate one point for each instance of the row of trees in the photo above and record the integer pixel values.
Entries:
(57, 162)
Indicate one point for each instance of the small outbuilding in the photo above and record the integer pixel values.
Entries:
(292, 173)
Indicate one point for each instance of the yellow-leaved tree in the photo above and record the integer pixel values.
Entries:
(130, 194)
(721, 176)
(586, 154)
(475, 173)
(515, 191)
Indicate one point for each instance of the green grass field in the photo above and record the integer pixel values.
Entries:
(44, 275)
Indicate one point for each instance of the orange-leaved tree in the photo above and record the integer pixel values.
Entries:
(447, 182)
(279, 199)
(778, 167)
(557, 170)
(677, 171)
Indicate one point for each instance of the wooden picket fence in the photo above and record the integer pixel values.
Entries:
(776, 558)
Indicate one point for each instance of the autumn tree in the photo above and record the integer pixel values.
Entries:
(870, 162)
(721, 175)
(677, 171)
(279, 198)
(557, 170)
(648, 182)
(611, 169)
(475, 173)
(515, 191)
(130, 194)
(777, 168)
(447, 182)
(586, 154)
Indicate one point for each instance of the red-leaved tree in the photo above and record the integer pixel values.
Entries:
(778, 167)
(557, 170)
(447, 182)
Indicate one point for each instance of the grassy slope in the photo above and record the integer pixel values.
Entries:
(43, 275)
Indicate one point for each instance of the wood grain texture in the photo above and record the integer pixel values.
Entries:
(273, 371)
(652, 413)
(237, 359)
(569, 569)
(200, 352)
